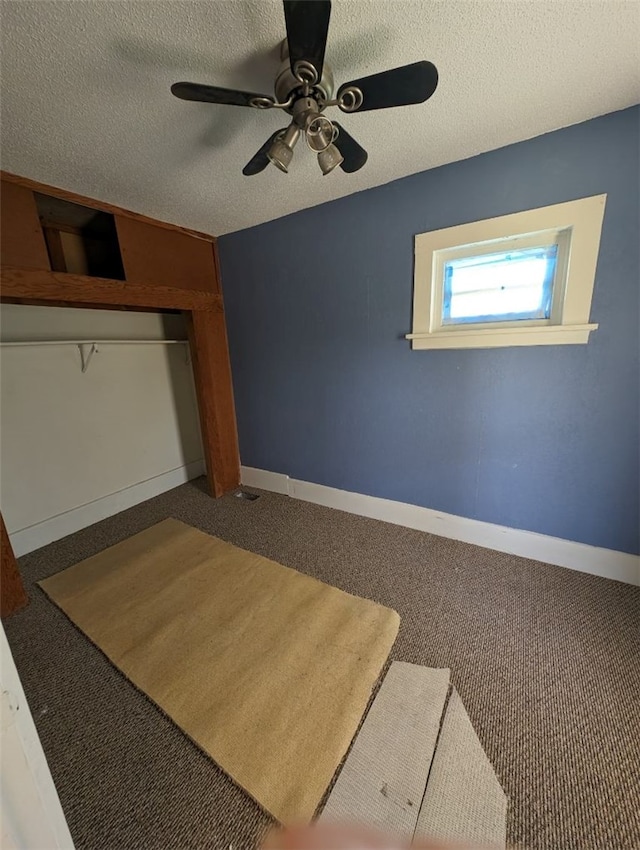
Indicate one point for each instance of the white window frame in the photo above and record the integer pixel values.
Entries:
(574, 226)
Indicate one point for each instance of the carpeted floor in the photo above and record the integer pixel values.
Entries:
(546, 660)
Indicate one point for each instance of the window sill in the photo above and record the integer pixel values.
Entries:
(503, 337)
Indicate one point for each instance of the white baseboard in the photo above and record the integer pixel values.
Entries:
(607, 563)
(34, 536)
(265, 480)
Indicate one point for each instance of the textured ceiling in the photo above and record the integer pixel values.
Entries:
(86, 102)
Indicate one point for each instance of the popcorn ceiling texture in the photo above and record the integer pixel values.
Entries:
(86, 102)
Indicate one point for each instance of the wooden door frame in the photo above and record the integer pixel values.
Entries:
(205, 319)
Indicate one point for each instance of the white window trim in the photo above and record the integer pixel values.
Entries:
(569, 322)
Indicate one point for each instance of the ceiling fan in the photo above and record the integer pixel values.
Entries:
(304, 88)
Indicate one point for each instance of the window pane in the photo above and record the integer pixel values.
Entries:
(499, 287)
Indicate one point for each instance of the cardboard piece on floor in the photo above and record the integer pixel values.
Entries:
(269, 671)
(464, 801)
(383, 779)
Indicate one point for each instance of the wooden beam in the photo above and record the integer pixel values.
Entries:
(167, 258)
(216, 266)
(74, 198)
(55, 249)
(214, 389)
(39, 302)
(12, 593)
(21, 240)
(43, 285)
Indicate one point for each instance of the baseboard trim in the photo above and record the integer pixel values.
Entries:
(275, 482)
(34, 536)
(607, 563)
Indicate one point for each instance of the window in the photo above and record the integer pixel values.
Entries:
(507, 286)
(522, 279)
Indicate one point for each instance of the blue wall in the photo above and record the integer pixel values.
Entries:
(327, 390)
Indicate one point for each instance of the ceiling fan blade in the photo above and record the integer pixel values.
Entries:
(409, 84)
(307, 24)
(354, 155)
(260, 160)
(214, 94)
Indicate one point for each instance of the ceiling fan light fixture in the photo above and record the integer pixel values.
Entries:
(281, 151)
(329, 158)
(320, 132)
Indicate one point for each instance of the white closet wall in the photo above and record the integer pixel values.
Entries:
(76, 447)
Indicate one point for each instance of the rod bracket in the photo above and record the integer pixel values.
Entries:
(87, 350)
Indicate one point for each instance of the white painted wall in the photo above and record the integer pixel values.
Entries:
(76, 447)
(18, 322)
(32, 817)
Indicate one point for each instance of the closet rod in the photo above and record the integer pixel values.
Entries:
(95, 342)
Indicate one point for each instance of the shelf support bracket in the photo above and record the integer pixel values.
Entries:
(86, 355)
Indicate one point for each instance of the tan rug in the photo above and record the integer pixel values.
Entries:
(269, 671)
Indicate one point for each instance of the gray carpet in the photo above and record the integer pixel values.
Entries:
(547, 662)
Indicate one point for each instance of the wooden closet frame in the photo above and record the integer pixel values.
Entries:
(204, 313)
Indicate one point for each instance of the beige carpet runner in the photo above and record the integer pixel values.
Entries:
(383, 779)
(269, 671)
(463, 800)
(417, 769)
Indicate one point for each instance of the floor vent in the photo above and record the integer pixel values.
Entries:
(249, 497)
